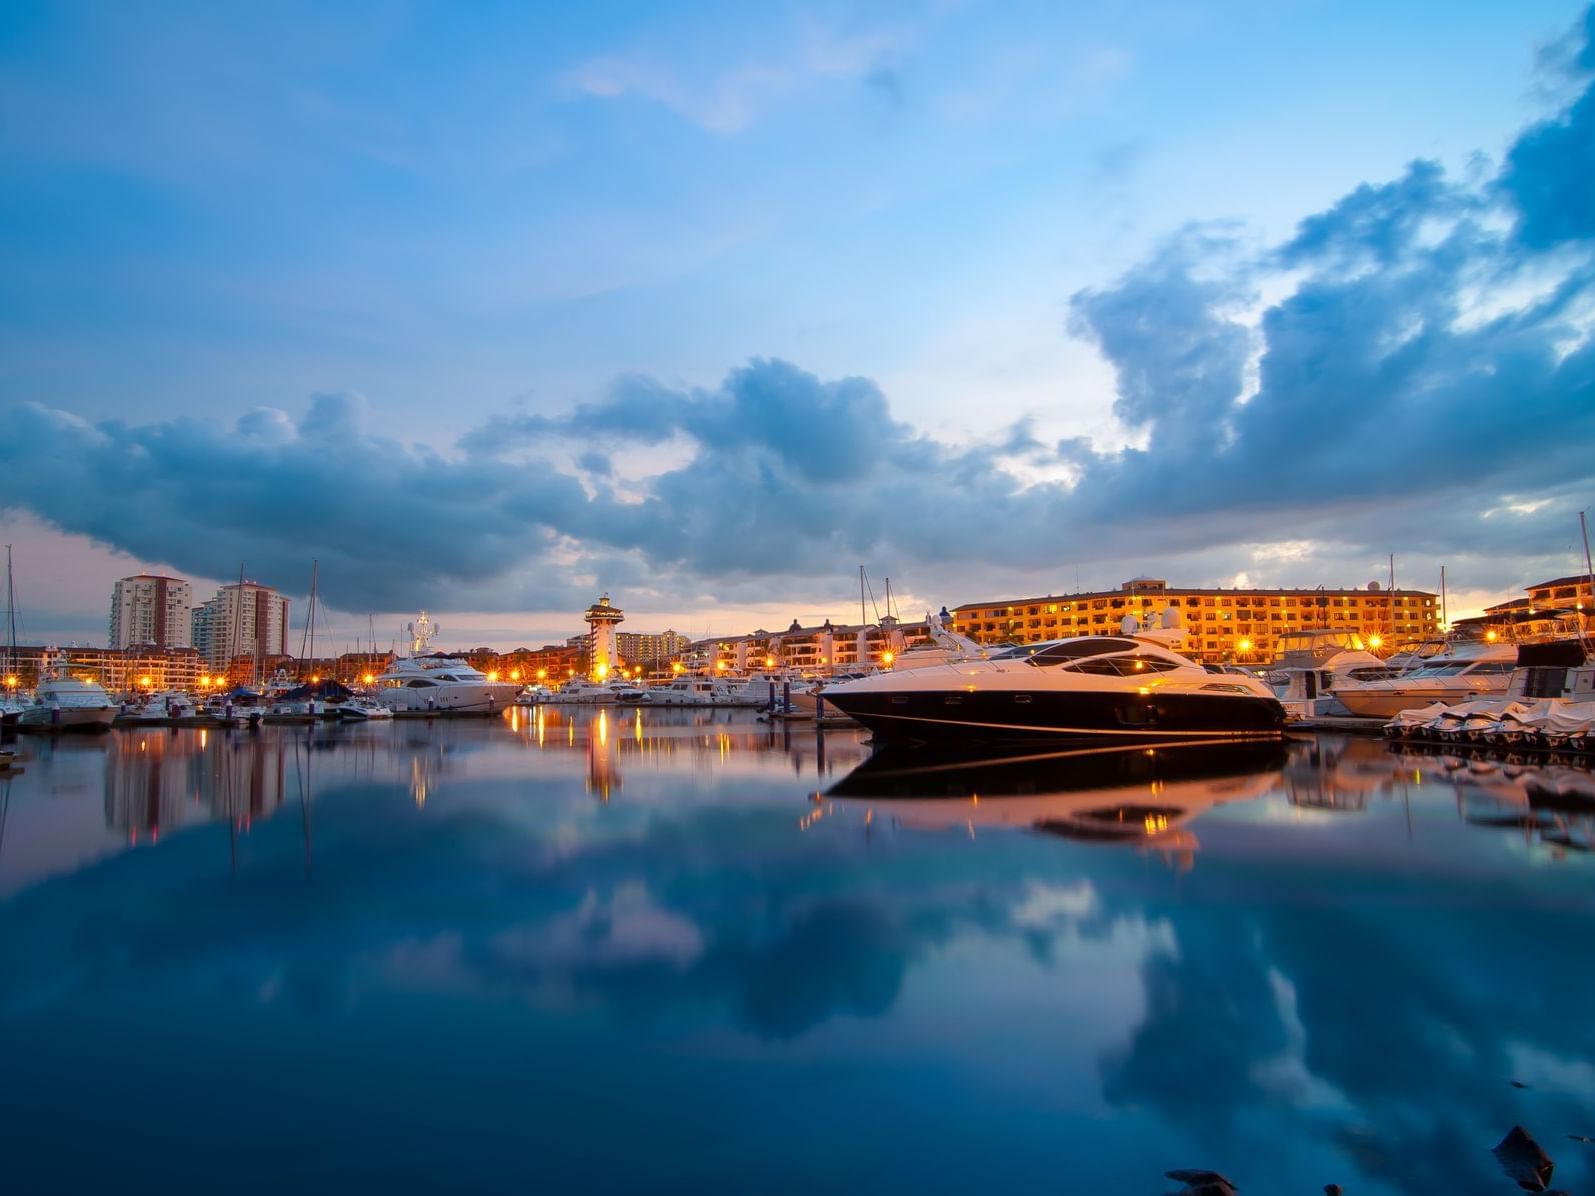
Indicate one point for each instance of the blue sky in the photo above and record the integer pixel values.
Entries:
(978, 295)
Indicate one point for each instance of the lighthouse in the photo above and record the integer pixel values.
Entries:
(602, 618)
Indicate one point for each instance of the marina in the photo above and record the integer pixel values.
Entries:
(591, 923)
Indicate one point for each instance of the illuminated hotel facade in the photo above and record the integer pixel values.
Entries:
(1242, 626)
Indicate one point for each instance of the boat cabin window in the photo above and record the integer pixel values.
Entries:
(420, 685)
(1067, 650)
(1123, 666)
(1495, 667)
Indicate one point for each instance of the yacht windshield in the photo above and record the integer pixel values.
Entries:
(1070, 650)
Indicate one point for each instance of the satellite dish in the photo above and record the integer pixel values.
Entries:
(1373, 587)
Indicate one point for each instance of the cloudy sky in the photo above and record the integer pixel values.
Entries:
(490, 309)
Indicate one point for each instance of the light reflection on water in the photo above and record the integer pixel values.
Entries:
(615, 950)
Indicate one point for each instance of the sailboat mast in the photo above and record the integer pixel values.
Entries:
(310, 621)
(1589, 570)
(10, 613)
(863, 619)
(1392, 601)
(1445, 618)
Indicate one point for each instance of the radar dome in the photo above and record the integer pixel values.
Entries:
(1373, 587)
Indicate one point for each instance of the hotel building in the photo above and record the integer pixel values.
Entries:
(652, 652)
(149, 609)
(812, 651)
(247, 620)
(1223, 625)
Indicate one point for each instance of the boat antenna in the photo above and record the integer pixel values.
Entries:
(862, 617)
(11, 615)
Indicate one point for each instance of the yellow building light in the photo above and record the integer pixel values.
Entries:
(601, 671)
(145, 682)
(769, 662)
(515, 674)
(1245, 645)
(542, 674)
(368, 678)
(1376, 641)
(11, 682)
(887, 657)
(1489, 636)
(493, 675)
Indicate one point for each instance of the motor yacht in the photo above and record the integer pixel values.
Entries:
(68, 704)
(1126, 688)
(1463, 671)
(1549, 702)
(699, 691)
(358, 708)
(167, 706)
(442, 683)
(1315, 663)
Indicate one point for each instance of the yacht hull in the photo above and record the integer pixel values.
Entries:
(85, 719)
(1375, 703)
(1059, 718)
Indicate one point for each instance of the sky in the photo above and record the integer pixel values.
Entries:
(489, 310)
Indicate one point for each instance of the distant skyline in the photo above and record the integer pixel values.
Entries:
(495, 309)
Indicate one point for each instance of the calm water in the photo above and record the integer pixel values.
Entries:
(686, 952)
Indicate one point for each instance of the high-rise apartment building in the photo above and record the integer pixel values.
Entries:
(151, 609)
(242, 620)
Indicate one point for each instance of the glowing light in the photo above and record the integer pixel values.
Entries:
(493, 676)
(11, 682)
(145, 682)
(315, 678)
(720, 665)
(769, 662)
(1245, 645)
(1490, 636)
(887, 657)
(515, 674)
(1376, 641)
(542, 674)
(677, 666)
(368, 678)
(601, 671)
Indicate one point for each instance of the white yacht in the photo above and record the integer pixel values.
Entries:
(698, 691)
(582, 691)
(164, 707)
(1462, 671)
(360, 709)
(68, 704)
(1313, 664)
(1132, 687)
(442, 683)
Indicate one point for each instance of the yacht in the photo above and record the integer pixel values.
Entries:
(442, 683)
(358, 708)
(68, 704)
(1128, 688)
(161, 708)
(1315, 663)
(580, 689)
(1549, 702)
(698, 691)
(1462, 672)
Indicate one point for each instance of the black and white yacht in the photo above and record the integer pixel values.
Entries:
(1128, 688)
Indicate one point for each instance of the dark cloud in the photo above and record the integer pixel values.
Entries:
(1425, 384)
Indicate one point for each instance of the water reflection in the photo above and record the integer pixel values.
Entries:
(540, 935)
(1130, 795)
